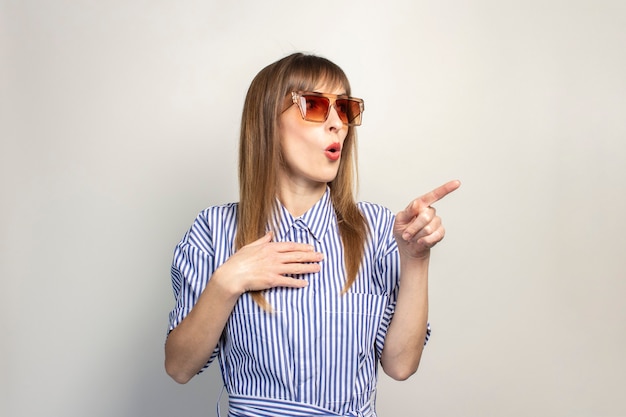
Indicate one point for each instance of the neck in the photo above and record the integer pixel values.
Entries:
(298, 199)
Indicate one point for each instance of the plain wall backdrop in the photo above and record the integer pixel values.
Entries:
(119, 123)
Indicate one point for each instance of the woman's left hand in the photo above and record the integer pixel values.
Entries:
(418, 228)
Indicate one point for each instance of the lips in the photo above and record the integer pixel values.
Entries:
(333, 152)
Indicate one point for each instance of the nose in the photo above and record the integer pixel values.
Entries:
(334, 121)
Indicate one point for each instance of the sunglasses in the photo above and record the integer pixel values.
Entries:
(315, 107)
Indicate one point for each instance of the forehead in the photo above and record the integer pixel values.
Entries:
(322, 83)
(327, 88)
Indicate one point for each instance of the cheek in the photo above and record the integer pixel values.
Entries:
(294, 136)
(289, 130)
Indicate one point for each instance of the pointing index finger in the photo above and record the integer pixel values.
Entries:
(440, 192)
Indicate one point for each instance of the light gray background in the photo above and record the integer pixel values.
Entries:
(119, 123)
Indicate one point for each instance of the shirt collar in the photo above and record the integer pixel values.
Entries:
(317, 219)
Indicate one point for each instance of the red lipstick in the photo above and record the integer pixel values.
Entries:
(333, 151)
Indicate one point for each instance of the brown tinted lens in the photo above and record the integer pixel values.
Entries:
(349, 111)
(316, 108)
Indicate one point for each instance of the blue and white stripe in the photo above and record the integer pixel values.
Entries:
(317, 347)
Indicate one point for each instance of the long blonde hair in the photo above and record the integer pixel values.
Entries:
(260, 157)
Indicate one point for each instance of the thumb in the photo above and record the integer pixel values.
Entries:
(408, 213)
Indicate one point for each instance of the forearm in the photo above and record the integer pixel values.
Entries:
(189, 346)
(404, 342)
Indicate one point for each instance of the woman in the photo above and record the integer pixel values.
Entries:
(297, 290)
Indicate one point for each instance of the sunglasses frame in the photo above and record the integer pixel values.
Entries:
(296, 97)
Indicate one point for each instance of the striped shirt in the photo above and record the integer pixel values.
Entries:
(317, 352)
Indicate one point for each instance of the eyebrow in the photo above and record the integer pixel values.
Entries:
(338, 95)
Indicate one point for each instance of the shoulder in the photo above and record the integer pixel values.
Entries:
(379, 219)
(218, 220)
(375, 213)
(218, 214)
(381, 241)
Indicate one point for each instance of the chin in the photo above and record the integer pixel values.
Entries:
(330, 178)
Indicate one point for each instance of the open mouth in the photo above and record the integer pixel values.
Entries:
(333, 152)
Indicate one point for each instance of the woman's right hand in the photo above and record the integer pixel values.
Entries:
(263, 264)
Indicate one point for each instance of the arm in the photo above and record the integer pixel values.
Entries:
(257, 266)
(417, 229)
(407, 331)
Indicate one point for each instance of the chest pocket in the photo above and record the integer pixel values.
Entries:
(351, 322)
(348, 329)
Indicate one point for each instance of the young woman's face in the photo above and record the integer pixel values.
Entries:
(311, 150)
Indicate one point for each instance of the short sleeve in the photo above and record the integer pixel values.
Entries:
(189, 277)
(388, 271)
(387, 267)
(192, 265)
